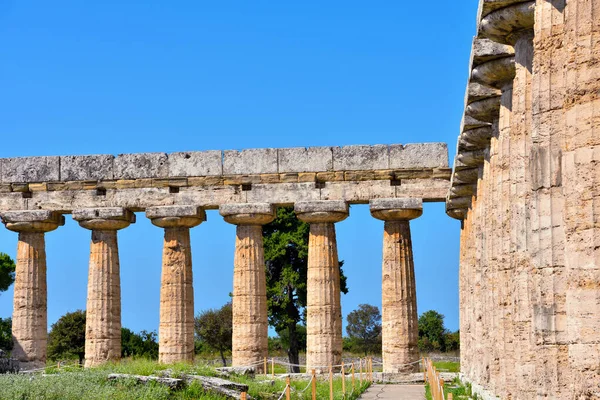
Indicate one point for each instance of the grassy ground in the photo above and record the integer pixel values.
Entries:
(447, 366)
(73, 383)
(456, 387)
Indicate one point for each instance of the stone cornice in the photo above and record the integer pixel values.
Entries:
(492, 69)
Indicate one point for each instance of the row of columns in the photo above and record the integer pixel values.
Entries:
(250, 323)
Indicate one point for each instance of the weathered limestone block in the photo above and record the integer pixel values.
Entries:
(323, 311)
(350, 158)
(141, 165)
(196, 163)
(305, 159)
(250, 161)
(87, 168)
(250, 323)
(30, 169)
(176, 327)
(400, 332)
(29, 319)
(418, 155)
(103, 310)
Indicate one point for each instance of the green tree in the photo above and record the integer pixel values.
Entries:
(364, 328)
(452, 340)
(215, 327)
(286, 257)
(6, 342)
(143, 344)
(432, 333)
(7, 272)
(67, 337)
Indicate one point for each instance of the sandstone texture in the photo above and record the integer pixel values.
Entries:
(324, 310)
(400, 333)
(250, 323)
(176, 326)
(529, 257)
(29, 319)
(103, 310)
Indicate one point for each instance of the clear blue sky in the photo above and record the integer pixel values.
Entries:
(161, 76)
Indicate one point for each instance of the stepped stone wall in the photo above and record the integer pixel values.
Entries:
(525, 184)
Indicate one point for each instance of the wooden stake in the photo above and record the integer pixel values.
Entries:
(450, 396)
(273, 367)
(330, 382)
(314, 385)
(343, 380)
(352, 375)
(243, 396)
(287, 388)
(360, 375)
(265, 370)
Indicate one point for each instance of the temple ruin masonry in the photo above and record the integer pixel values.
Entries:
(102, 192)
(525, 184)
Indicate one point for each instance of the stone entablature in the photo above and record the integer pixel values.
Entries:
(355, 174)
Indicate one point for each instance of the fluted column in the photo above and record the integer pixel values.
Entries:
(581, 189)
(29, 319)
(176, 327)
(250, 321)
(400, 332)
(323, 310)
(103, 312)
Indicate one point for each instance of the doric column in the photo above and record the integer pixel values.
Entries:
(176, 328)
(103, 312)
(496, 71)
(513, 25)
(250, 323)
(581, 189)
(400, 332)
(323, 310)
(29, 319)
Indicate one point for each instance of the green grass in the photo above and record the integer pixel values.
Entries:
(456, 387)
(447, 366)
(75, 383)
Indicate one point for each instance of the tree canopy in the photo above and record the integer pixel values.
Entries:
(67, 337)
(6, 342)
(214, 327)
(364, 329)
(7, 271)
(143, 344)
(433, 335)
(286, 258)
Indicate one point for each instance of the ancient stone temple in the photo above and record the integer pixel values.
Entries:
(104, 192)
(526, 186)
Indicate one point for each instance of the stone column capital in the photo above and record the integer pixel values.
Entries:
(104, 219)
(32, 220)
(184, 216)
(501, 25)
(396, 209)
(248, 213)
(321, 211)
